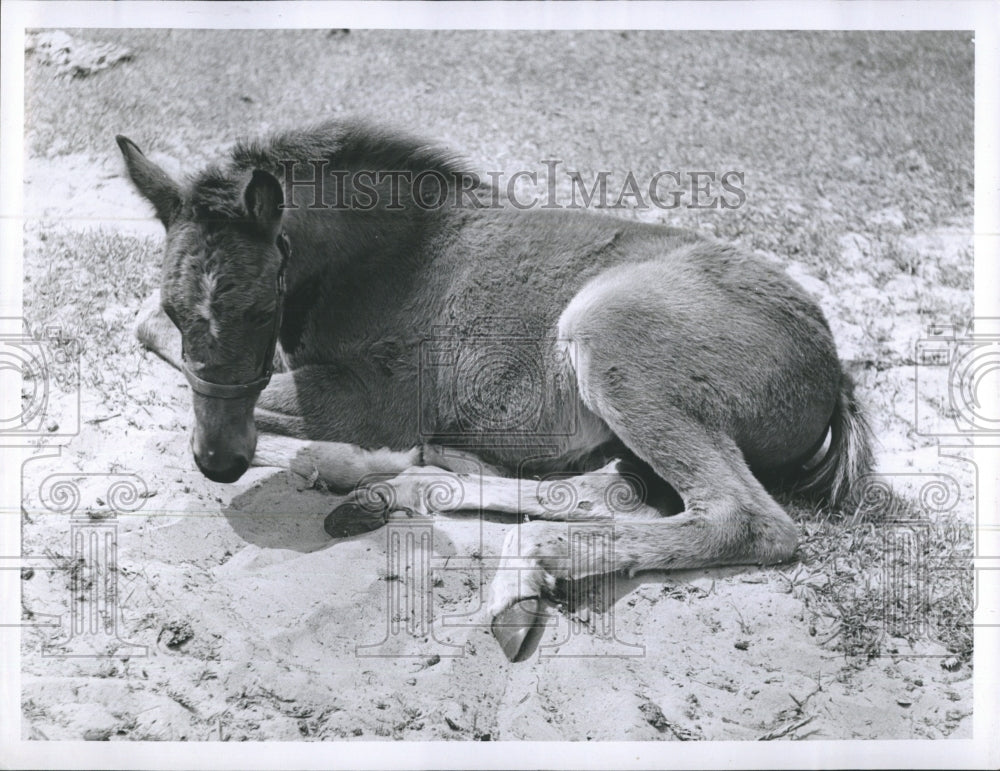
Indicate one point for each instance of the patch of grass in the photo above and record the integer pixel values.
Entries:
(960, 274)
(904, 261)
(88, 285)
(889, 571)
(851, 122)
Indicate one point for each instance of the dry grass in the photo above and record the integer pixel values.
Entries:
(885, 572)
(89, 285)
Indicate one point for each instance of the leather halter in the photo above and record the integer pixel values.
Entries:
(254, 387)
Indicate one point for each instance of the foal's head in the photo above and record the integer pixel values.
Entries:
(222, 286)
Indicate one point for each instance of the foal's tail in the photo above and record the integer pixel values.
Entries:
(849, 457)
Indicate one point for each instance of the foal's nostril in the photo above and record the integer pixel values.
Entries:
(230, 472)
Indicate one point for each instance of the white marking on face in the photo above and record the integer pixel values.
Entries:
(204, 306)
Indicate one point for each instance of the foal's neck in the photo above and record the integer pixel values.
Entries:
(346, 245)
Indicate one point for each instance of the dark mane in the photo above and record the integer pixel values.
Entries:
(216, 192)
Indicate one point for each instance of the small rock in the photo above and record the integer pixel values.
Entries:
(741, 645)
(452, 724)
(97, 734)
(902, 701)
(27, 574)
(952, 664)
(51, 426)
(176, 633)
(411, 681)
(655, 717)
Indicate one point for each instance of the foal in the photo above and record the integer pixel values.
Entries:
(480, 338)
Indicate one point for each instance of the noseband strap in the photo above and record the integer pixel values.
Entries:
(224, 391)
(254, 387)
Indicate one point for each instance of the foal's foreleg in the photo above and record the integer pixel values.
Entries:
(338, 465)
(157, 332)
(599, 495)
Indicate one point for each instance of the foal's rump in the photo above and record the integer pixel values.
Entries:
(727, 339)
(538, 304)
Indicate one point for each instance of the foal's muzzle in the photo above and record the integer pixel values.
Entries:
(222, 469)
(224, 437)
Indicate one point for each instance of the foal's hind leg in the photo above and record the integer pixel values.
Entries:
(728, 519)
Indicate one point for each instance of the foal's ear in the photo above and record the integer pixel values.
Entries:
(263, 199)
(152, 181)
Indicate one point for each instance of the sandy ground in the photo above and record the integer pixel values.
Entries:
(234, 616)
(238, 617)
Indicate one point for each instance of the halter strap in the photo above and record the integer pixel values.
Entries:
(254, 387)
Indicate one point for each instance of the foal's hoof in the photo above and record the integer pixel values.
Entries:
(352, 519)
(519, 628)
